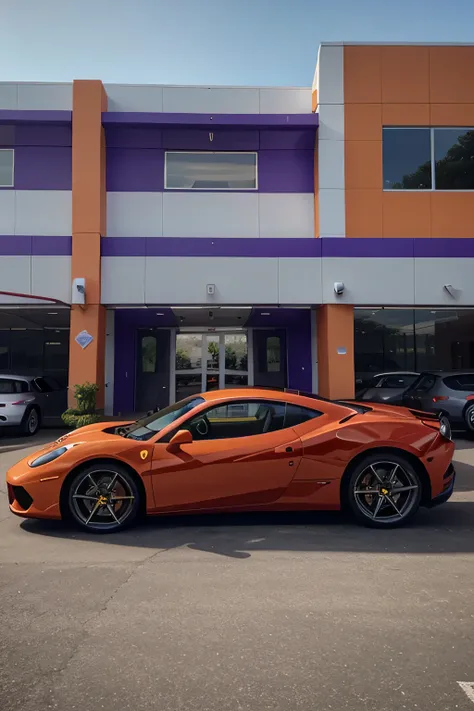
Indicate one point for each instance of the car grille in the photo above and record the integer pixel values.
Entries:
(22, 497)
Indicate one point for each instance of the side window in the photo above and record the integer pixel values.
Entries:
(247, 418)
(148, 353)
(425, 383)
(460, 382)
(397, 381)
(42, 386)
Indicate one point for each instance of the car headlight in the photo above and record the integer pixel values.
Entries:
(445, 427)
(49, 456)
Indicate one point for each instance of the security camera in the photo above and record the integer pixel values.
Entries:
(338, 287)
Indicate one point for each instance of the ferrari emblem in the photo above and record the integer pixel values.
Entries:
(144, 453)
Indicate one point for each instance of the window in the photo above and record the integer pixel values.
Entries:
(396, 381)
(11, 387)
(6, 167)
(148, 354)
(428, 158)
(273, 354)
(43, 386)
(424, 383)
(406, 159)
(4, 357)
(210, 171)
(147, 427)
(454, 159)
(460, 382)
(247, 418)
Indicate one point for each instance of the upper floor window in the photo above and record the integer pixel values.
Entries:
(428, 158)
(6, 167)
(210, 171)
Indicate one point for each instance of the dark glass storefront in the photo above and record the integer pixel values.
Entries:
(412, 340)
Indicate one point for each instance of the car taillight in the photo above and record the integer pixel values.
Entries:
(21, 402)
(470, 397)
(437, 398)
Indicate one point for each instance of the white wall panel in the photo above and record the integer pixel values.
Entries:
(331, 122)
(285, 101)
(51, 276)
(15, 275)
(286, 214)
(203, 100)
(134, 214)
(331, 74)
(43, 212)
(299, 281)
(332, 213)
(210, 214)
(123, 280)
(331, 165)
(39, 96)
(7, 212)
(374, 281)
(131, 97)
(183, 280)
(8, 96)
(431, 274)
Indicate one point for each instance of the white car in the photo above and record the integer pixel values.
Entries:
(28, 401)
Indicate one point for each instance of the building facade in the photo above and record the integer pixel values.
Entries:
(290, 237)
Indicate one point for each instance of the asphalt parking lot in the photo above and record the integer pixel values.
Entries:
(239, 613)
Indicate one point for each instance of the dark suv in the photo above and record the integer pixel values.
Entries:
(448, 392)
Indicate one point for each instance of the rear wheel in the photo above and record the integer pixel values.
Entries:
(31, 422)
(469, 418)
(103, 498)
(384, 491)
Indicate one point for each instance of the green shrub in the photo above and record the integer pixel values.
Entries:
(85, 413)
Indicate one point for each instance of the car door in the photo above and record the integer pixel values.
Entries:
(237, 468)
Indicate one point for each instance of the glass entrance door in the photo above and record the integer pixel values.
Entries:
(210, 361)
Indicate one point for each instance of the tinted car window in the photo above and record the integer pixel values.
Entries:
(397, 381)
(246, 419)
(52, 383)
(10, 387)
(42, 386)
(460, 382)
(424, 383)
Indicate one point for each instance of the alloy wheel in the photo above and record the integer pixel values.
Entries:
(102, 499)
(385, 492)
(32, 422)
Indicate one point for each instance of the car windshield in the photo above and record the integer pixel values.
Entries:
(147, 427)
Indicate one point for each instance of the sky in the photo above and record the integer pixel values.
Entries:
(241, 42)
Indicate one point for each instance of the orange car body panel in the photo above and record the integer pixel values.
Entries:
(288, 469)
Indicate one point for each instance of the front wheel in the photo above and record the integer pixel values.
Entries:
(103, 498)
(469, 418)
(31, 422)
(384, 491)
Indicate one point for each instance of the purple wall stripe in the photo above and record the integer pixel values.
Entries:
(14, 116)
(206, 247)
(397, 247)
(326, 247)
(142, 170)
(170, 119)
(48, 246)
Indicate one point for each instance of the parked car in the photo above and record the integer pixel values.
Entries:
(448, 392)
(238, 450)
(387, 387)
(28, 401)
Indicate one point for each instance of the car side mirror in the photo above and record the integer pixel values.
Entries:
(181, 437)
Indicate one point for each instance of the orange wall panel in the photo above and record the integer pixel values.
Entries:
(405, 75)
(87, 364)
(86, 261)
(452, 214)
(363, 213)
(406, 114)
(362, 75)
(363, 122)
(363, 164)
(314, 100)
(406, 214)
(451, 73)
(452, 115)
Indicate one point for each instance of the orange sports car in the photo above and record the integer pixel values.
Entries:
(241, 450)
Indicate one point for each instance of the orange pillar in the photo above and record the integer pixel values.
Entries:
(88, 224)
(335, 329)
